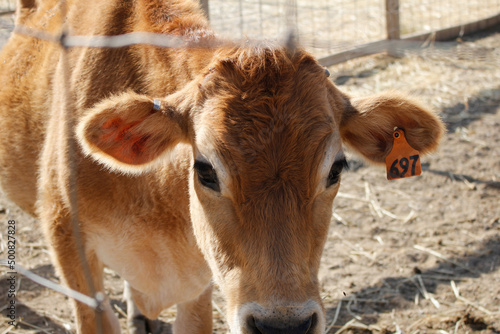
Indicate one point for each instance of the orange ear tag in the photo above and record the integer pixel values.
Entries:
(403, 160)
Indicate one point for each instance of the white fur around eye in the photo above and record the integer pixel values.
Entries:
(333, 153)
(205, 152)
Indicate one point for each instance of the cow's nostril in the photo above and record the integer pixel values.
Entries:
(266, 326)
(251, 326)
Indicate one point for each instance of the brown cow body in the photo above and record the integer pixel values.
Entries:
(265, 120)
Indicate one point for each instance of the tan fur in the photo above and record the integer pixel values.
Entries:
(265, 117)
(380, 112)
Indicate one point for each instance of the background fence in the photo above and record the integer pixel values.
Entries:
(335, 30)
(338, 30)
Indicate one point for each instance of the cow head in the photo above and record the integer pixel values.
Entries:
(266, 127)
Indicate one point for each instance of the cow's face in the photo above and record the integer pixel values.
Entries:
(267, 163)
(266, 129)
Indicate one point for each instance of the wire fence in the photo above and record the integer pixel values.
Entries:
(431, 15)
(329, 27)
(326, 27)
(338, 30)
(353, 21)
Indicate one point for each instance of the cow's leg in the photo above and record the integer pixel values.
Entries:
(65, 255)
(138, 323)
(195, 316)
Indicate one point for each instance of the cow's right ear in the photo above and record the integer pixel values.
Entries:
(131, 132)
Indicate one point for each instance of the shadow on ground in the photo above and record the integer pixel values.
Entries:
(399, 292)
(26, 317)
(461, 115)
(370, 301)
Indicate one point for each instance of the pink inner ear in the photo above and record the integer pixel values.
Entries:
(121, 141)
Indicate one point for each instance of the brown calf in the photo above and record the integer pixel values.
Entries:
(229, 176)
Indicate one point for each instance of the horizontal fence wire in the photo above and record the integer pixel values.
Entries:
(92, 302)
(117, 41)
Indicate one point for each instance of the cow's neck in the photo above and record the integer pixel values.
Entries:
(167, 70)
(146, 69)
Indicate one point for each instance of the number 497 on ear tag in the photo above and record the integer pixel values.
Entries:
(403, 160)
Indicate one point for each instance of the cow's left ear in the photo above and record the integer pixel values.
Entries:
(368, 125)
(130, 132)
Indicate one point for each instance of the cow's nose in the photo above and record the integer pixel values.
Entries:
(282, 326)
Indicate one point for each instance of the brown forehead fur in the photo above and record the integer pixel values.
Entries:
(270, 120)
(275, 121)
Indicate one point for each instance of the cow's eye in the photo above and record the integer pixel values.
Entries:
(334, 175)
(207, 175)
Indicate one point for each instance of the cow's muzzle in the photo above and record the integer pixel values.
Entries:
(304, 319)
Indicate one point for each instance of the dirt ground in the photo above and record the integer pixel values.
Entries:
(419, 255)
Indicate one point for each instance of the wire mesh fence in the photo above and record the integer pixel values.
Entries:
(430, 15)
(325, 27)
(329, 27)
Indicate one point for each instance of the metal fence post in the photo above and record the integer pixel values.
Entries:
(392, 26)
